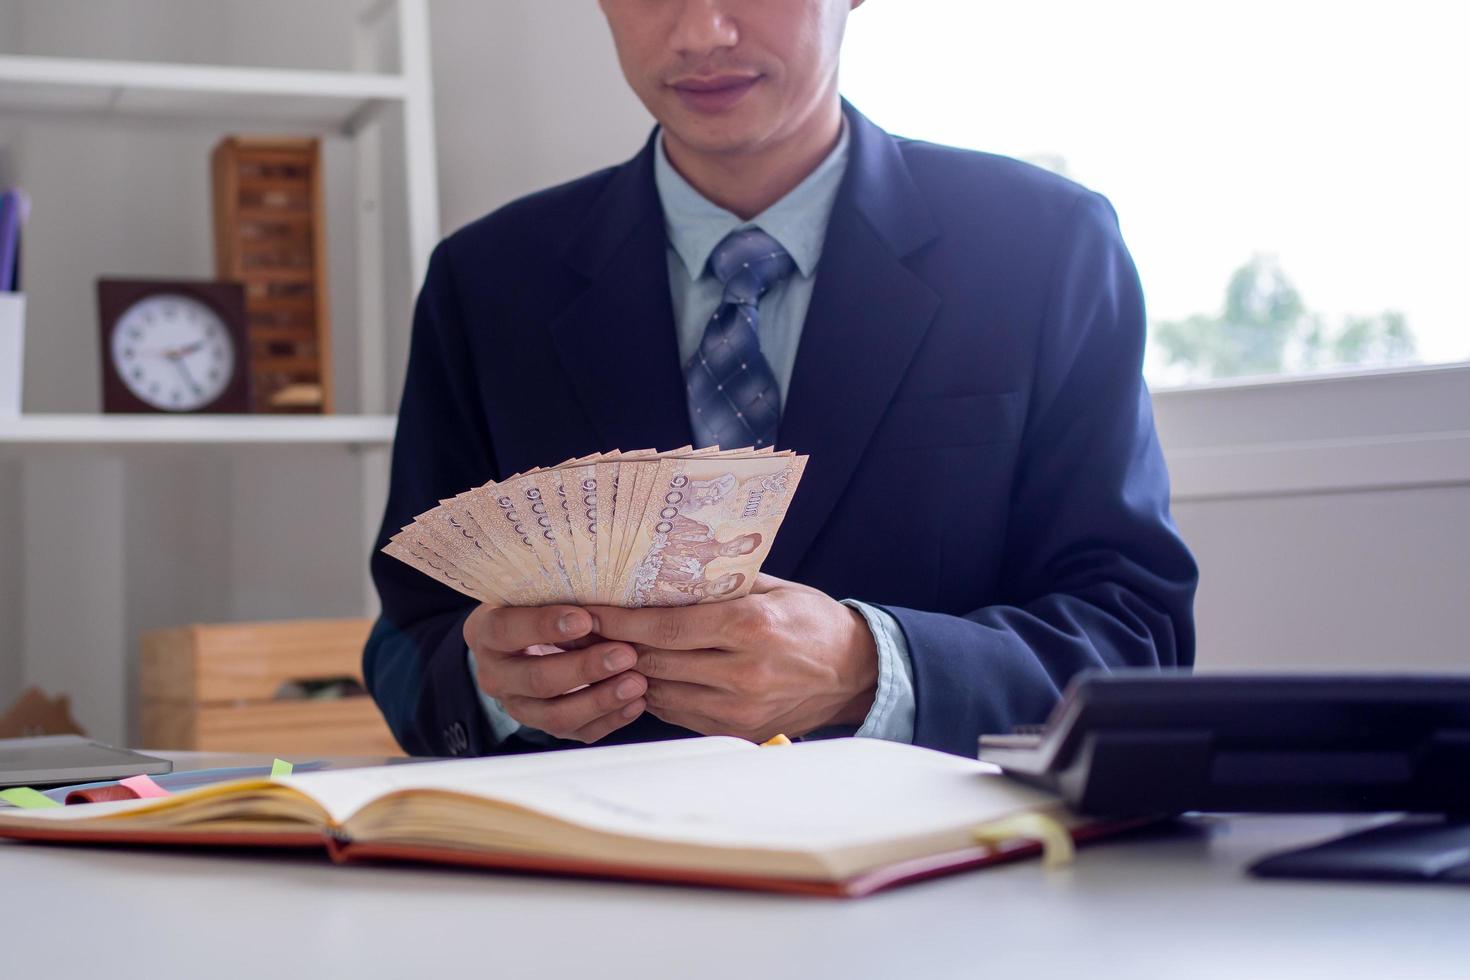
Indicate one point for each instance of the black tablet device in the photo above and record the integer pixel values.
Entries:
(1133, 743)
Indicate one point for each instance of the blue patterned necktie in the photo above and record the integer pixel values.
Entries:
(733, 396)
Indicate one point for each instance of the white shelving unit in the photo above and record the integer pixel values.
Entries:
(349, 103)
(100, 555)
(327, 100)
(41, 431)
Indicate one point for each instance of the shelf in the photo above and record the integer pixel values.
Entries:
(325, 100)
(195, 430)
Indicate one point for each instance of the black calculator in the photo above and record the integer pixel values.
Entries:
(1142, 743)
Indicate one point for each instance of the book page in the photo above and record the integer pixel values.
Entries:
(71, 814)
(342, 792)
(812, 796)
(265, 807)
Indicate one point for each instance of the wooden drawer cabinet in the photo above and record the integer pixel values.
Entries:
(215, 688)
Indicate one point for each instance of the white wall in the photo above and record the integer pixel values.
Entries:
(1331, 519)
(1367, 580)
(527, 94)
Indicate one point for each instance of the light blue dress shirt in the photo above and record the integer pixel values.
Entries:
(799, 222)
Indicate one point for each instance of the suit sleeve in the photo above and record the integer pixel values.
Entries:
(1094, 574)
(414, 661)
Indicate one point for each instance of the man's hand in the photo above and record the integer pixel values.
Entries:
(784, 659)
(548, 671)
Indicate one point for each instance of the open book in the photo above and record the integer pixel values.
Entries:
(839, 817)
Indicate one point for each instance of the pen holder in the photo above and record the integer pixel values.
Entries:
(12, 352)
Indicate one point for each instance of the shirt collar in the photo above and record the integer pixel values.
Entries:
(798, 221)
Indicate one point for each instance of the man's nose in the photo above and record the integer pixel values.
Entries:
(703, 26)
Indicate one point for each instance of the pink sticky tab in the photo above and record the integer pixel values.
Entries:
(144, 786)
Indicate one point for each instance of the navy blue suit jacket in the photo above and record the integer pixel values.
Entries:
(968, 386)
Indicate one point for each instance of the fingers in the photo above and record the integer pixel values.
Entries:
(709, 711)
(580, 644)
(715, 711)
(766, 583)
(518, 675)
(610, 722)
(586, 715)
(533, 689)
(507, 628)
(679, 628)
(683, 699)
(710, 668)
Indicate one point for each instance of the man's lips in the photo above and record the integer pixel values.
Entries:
(714, 94)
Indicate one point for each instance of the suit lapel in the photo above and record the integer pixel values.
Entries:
(867, 317)
(616, 340)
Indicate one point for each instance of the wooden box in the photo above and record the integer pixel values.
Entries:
(215, 688)
(269, 235)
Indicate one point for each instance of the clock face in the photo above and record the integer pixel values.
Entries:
(173, 352)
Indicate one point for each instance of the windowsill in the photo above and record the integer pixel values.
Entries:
(1348, 431)
(1316, 377)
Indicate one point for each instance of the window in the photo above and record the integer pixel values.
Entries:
(1292, 177)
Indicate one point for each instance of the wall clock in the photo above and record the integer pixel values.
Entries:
(173, 346)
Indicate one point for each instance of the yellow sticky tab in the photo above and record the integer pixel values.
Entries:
(28, 799)
(280, 767)
(1057, 849)
(776, 740)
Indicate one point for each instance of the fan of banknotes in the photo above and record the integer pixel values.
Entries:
(641, 528)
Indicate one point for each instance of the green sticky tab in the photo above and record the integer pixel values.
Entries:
(28, 799)
(280, 768)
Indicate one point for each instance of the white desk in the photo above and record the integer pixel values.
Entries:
(1175, 906)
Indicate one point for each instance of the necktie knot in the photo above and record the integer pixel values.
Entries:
(749, 262)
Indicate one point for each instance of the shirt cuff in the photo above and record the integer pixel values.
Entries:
(892, 714)
(502, 725)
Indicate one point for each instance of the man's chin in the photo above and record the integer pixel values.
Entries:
(716, 135)
(714, 140)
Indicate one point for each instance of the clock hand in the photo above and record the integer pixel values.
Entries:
(184, 370)
(175, 353)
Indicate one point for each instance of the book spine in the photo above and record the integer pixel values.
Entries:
(9, 238)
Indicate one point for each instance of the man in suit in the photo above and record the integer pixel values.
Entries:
(955, 338)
